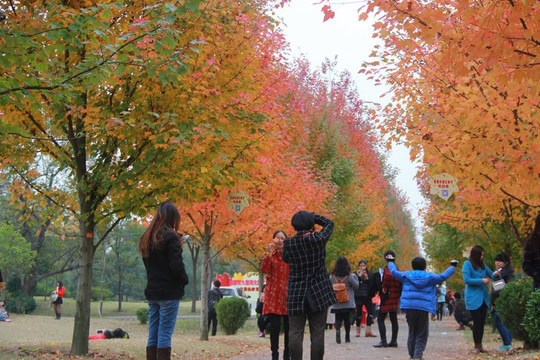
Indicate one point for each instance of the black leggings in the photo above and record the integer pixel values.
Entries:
(275, 329)
(382, 327)
(345, 318)
(479, 320)
(361, 301)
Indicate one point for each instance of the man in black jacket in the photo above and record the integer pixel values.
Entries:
(309, 291)
(214, 295)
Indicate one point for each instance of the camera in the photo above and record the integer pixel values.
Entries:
(3, 15)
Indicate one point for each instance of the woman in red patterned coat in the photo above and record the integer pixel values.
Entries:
(275, 303)
(389, 304)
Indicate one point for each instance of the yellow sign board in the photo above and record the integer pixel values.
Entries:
(443, 185)
(237, 201)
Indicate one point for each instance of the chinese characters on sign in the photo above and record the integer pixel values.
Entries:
(238, 200)
(443, 185)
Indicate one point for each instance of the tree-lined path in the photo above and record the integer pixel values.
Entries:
(444, 343)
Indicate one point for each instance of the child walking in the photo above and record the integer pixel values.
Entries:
(418, 300)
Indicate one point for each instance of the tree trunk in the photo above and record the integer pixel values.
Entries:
(81, 328)
(29, 285)
(102, 281)
(120, 295)
(194, 250)
(204, 287)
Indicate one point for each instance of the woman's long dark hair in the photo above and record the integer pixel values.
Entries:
(342, 267)
(534, 238)
(166, 219)
(60, 285)
(277, 232)
(475, 257)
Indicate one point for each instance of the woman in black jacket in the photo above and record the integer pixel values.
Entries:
(161, 249)
(362, 297)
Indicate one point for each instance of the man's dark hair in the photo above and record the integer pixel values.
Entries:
(217, 283)
(389, 252)
(457, 296)
(502, 257)
(418, 263)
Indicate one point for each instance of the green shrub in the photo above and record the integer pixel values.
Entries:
(511, 307)
(232, 314)
(20, 304)
(531, 322)
(95, 293)
(16, 301)
(142, 315)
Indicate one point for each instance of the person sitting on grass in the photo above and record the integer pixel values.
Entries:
(3, 313)
(418, 300)
(461, 314)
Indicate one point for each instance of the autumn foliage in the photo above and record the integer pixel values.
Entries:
(463, 78)
(133, 103)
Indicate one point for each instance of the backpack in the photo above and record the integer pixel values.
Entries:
(340, 289)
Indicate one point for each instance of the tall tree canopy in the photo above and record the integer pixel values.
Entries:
(464, 83)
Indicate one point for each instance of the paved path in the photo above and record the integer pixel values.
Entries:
(444, 343)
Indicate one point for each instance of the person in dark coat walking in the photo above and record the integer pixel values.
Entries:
(214, 295)
(309, 290)
(389, 303)
(161, 250)
(531, 255)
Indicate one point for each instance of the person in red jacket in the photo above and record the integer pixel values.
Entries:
(60, 291)
(390, 294)
(275, 302)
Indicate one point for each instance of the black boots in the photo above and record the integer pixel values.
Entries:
(58, 315)
(347, 337)
(151, 353)
(381, 345)
(338, 336)
(164, 354)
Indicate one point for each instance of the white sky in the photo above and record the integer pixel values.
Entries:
(351, 40)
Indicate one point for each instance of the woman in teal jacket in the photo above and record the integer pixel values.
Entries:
(476, 276)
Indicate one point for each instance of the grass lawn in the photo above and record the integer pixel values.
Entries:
(40, 336)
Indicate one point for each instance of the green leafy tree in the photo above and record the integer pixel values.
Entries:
(78, 87)
(16, 255)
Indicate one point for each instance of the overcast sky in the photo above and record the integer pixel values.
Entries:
(352, 42)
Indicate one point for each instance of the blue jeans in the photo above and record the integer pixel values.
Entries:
(506, 336)
(162, 314)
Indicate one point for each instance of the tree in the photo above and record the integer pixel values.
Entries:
(78, 86)
(122, 246)
(34, 220)
(463, 79)
(16, 256)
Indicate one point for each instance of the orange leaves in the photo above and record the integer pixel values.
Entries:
(328, 13)
(463, 73)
